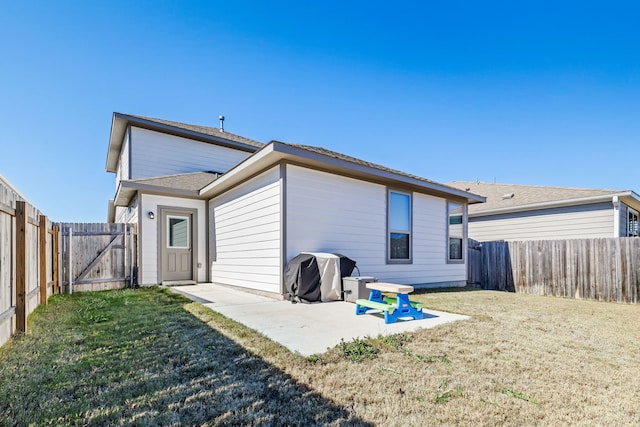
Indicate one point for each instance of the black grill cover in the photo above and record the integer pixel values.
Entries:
(346, 265)
(302, 279)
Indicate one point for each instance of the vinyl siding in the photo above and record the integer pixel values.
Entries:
(623, 218)
(245, 226)
(128, 214)
(575, 222)
(148, 235)
(122, 171)
(157, 154)
(331, 213)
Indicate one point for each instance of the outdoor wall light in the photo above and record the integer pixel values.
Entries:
(151, 215)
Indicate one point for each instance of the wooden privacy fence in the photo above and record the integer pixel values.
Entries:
(597, 269)
(97, 256)
(28, 271)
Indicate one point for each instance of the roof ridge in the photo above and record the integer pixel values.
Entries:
(538, 186)
(203, 129)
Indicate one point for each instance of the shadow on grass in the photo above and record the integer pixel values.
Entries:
(154, 363)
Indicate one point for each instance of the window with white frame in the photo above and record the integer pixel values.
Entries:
(399, 227)
(177, 232)
(632, 224)
(455, 231)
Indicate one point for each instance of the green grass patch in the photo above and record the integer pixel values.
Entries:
(518, 395)
(444, 395)
(398, 342)
(151, 357)
(141, 357)
(357, 350)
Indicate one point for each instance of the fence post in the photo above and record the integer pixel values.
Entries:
(131, 261)
(21, 266)
(69, 259)
(54, 259)
(42, 246)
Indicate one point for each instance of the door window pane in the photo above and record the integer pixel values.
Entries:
(178, 232)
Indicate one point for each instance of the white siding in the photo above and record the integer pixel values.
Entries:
(148, 235)
(576, 222)
(121, 214)
(330, 213)
(245, 232)
(157, 154)
(128, 214)
(122, 171)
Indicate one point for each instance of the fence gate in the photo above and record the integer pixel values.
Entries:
(96, 257)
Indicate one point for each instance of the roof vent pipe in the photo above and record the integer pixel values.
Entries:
(221, 123)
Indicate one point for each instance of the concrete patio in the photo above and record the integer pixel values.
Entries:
(304, 328)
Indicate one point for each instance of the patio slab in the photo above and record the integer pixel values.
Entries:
(304, 328)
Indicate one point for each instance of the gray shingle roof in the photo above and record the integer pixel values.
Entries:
(340, 156)
(501, 196)
(193, 181)
(205, 130)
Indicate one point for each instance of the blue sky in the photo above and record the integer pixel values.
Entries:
(529, 92)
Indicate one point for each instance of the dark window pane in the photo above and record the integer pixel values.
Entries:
(399, 246)
(455, 248)
(455, 219)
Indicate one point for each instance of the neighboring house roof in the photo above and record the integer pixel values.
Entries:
(331, 161)
(121, 122)
(505, 198)
(184, 184)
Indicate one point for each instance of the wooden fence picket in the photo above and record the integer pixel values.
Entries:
(597, 269)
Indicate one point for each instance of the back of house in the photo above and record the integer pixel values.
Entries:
(211, 206)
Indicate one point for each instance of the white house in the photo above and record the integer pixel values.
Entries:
(529, 212)
(211, 206)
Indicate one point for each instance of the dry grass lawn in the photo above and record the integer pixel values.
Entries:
(149, 357)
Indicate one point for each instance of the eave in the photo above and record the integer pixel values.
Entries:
(127, 190)
(277, 152)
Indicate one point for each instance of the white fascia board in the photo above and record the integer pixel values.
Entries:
(116, 137)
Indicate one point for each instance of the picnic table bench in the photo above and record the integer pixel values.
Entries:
(393, 307)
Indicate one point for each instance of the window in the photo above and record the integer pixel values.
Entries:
(178, 232)
(399, 227)
(455, 231)
(632, 224)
